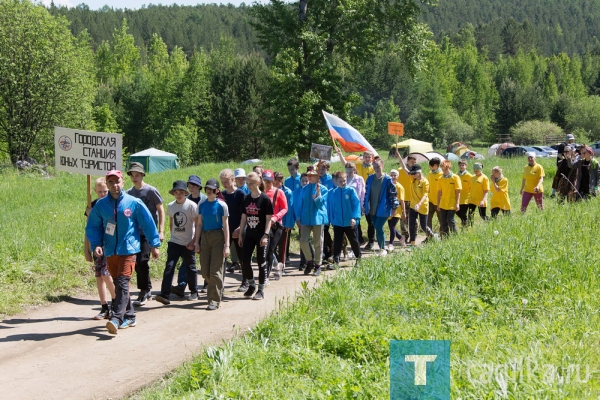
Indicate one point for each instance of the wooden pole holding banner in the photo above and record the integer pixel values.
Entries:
(89, 191)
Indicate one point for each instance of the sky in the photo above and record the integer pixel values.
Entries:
(135, 4)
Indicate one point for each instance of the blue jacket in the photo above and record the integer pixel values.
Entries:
(311, 211)
(289, 221)
(327, 181)
(293, 183)
(343, 205)
(131, 215)
(385, 203)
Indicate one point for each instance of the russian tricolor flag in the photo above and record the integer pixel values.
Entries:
(350, 139)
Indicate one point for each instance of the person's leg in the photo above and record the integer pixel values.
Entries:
(444, 222)
(100, 285)
(471, 213)
(392, 222)
(182, 276)
(505, 212)
(379, 222)
(450, 221)
(404, 223)
(173, 255)
(539, 200)
(462, 214)
(142, 266)
(432, 212)
(215, 273)
(361, 238)
(525, 201)
(288, 239)
(327, 242)
(495, 212)
(261, 259)
(273, 241)
(189, 260)
(247, 250)
(483, 213)
(121, 269)
(338, 232)
(412, 225)
(370, 229)
(424, 227)
(317, 231)
(353, 241)
(282, 247)
(305, 231)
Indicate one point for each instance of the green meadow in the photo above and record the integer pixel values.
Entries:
(517, 298)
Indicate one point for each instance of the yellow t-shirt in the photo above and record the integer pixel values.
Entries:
(500, 198)
(479, 185)
(405, 181)
(400, 190)
(532, 176)
(364, 171)
(449, 186)
(418, 189)
(433, 186)
(465, 181)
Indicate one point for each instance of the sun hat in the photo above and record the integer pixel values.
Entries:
(570, 136)
(195, 180)
(136, 167)
(478, 166)
(239, 173)
(179, 185)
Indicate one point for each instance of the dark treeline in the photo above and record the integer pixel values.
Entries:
(188, 27)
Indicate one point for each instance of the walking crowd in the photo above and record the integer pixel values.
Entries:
(244, 216)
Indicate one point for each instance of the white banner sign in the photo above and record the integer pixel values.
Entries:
(87, 153)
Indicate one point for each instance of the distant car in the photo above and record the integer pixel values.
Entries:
(545, 149)
(518, 151)
(596, 148)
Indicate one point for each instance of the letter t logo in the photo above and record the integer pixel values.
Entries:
(420, 367)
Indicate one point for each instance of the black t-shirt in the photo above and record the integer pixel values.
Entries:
(91, 206)
(234, 202)
(256, 210)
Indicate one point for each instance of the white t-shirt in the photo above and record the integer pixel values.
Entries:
(183, 216)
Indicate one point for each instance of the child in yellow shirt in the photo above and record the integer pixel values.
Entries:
(500, 200)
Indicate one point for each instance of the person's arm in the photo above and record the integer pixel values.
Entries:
(86, 249)
(265, 237)
(401, 161)
(198, 234)
(439, 197)
(522, 186)
(281, 203)
(241, 228)
(161, 221)
(339, 152)
(226, 235)
(192, 244)
(403, 205)
(457, 208)
(484, 199)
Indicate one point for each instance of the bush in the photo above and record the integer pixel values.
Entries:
(585, 115)
(533, 132)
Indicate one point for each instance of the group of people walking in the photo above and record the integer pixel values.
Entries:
(244, 216)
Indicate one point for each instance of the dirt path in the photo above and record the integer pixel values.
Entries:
(59, 352)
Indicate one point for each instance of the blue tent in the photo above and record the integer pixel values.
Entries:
(154, 160)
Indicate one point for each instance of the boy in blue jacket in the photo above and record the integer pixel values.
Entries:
(344, 213)
(311, 214)
(113, 229)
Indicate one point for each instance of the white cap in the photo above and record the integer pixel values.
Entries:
(530, 154)
(394, 171)
(239, 173)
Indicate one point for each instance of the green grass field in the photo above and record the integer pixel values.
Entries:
(519, 305)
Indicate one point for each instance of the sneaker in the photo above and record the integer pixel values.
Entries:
(370, 246)
(329, 260)
(267, 283)
(212, 307)
(230, 269)
(309, 268)
(250, 291)
(276, 276)
(259, 295)
(141, 300)
(103, 314)
(383, 253)
(317, 270)
(193, 296)
(128, 322)
(243, 287)
(112, 326)
(390, 247)
(204, 289)
(351, 255)
(178, 290)
(332, 267)
(162, 299)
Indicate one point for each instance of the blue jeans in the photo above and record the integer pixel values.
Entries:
(378, 223)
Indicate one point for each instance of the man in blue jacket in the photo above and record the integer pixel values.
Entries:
(113, 229)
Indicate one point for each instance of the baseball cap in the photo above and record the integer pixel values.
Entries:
(267, 175)
(195, 180)
(136, 167)
(179, 185)
(212, 184)
(414, 169)
(239, 173)
(114, 172)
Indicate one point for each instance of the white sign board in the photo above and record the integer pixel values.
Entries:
(87, 153)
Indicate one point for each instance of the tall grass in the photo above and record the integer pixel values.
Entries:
(517, 298)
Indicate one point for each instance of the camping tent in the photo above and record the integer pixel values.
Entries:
(411, 146)
(422, 158)
(155, 160)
